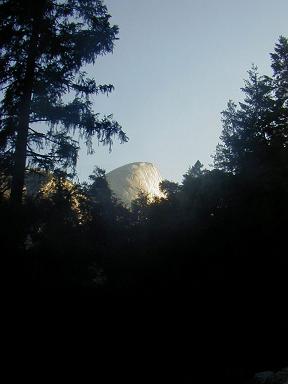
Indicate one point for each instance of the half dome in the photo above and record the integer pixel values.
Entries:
(128, 181)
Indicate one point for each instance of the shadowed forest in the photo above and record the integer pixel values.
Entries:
(215, 244)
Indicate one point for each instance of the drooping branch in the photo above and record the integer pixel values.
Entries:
(32, 153)
(45, 44)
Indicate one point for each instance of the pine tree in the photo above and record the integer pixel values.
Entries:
(279, 114)
(244, 136)
(194, 171)
(280, 68)
(46, 94)
(255, 132)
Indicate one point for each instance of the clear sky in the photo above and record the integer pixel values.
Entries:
(174, 67)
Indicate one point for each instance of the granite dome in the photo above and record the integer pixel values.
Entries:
(127, 181)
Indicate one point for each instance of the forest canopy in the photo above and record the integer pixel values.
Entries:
(221, 230)
(233, 213)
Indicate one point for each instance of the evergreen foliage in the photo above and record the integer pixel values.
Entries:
(43, 48)
(254, 135)
(215, 245)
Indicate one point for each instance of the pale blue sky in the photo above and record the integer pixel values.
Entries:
(175, 66)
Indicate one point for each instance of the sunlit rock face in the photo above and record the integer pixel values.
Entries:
(127, 181)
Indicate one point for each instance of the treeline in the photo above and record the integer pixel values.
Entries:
(223, 223)
(215, 247)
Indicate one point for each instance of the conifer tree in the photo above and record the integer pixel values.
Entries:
(255, 132)
(44, 45)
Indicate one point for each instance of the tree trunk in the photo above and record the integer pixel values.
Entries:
(20, 154)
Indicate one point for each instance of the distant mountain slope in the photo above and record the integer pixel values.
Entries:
(127, 181)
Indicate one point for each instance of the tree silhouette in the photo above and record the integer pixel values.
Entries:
(254, 135)
(43, 46)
